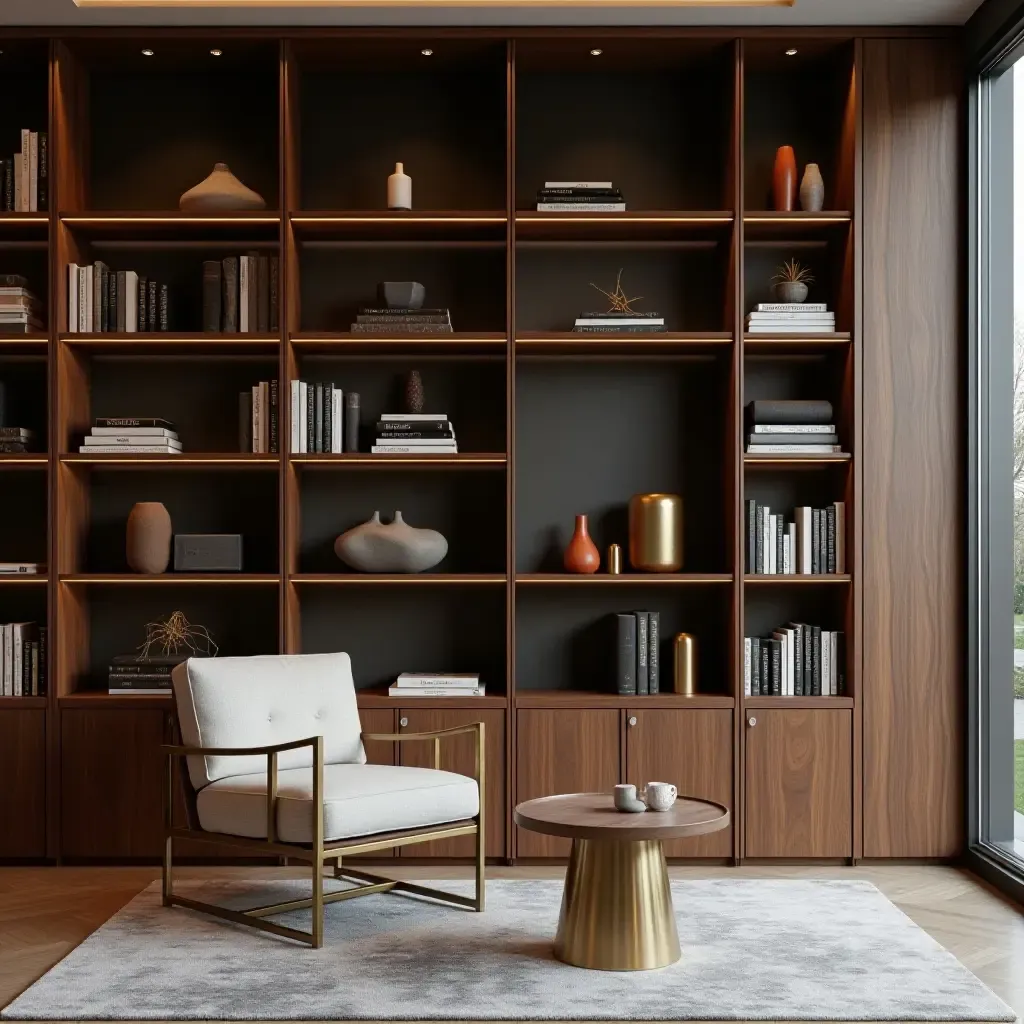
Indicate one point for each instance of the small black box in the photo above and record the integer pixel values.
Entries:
(207, 552)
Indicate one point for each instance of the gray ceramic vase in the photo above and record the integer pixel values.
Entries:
(812, 190)
(401, 294)
(791, 291)
(374, 546)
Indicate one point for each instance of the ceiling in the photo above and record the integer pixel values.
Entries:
(805, 12)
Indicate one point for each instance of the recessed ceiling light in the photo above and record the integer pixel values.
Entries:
(147, 53)
(596, 53)
(426, 51)
(216, 53)
(791, 52)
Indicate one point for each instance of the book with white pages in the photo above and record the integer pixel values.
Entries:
(446, 679)
(438, 691)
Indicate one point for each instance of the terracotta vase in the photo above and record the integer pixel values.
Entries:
(581, 555)
(812, 190)
(374, 546)
(220, 190)
(148, 537)
(784, 179)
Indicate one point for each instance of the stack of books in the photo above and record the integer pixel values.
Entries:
(102, 300)
(636, 659)
(131, 435)
(791, 427)
(814, 543)
(240, 295)
(580, 197)
(16, 440)
(438, 684)
(625, 323)
(797, 660)
(791, 318)
(22, 660)
(414, 434)
(24, 177)
(317, 421)
(258, 418)
(22, 568)
(20, 311)
(129, 673)
(402, 320)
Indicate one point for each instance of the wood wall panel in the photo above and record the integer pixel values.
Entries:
(22, 783)
(913, 430)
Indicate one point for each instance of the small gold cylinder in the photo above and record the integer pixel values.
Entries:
(685, 660)
(656, 532)
(614, 560)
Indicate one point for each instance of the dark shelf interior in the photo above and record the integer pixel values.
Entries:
(468, 509)
(198, 502)
(392, 629)
(23, 518)
(31, 261)
(592, 434)
(23, 380)
(24, 78)
(571, 644)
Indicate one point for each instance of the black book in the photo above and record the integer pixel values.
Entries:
(642, 641)
(830, 541)
(653, 659)
(766, 667)
(311, 419)
(428, 435)
(122, 422)
(401, 320)
(101, 278)
(263, 294)
(759, 541)
(120, 288)
(625, 654)
(111, 278)
(43, 673)
(140, 303)
(328, 416)
(318, 413)
(151, 659)
(43, 173)
(780, 530)
(8, 184)
(815, 662)
(213, 288)
(751, 536)
(755, 666)
(400, 311)
(425, 426)
(798, 658)
(815, 539)
(776, 646)
(789, 411)
(13, 281)
(254, 292)
(26, 668)
(163, 309)
(570, 190)
(245, 421)
(151, 304)
(274, 409)
(14, 447)
(274, 301)
(229, 298)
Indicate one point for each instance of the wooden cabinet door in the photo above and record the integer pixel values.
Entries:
(23, 783)
(799, 792)
(563, 750)
(112, 774)
(459, 755)
(691, 749)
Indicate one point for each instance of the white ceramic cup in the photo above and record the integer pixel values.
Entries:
(659, 796)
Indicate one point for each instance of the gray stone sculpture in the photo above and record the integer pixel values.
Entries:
(374, 546)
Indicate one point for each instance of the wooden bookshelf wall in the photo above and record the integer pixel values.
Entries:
(550, 424)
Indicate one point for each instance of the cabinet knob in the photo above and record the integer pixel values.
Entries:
(632, 721)
(403, 722)
(751, 722)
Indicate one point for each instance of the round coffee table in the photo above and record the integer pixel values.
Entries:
(617, 903)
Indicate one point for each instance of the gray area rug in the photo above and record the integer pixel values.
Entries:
(752, 950)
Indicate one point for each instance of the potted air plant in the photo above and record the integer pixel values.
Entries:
(791, 281)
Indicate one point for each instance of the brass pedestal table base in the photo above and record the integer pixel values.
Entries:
(617, 912)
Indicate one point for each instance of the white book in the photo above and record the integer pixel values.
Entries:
(581, 207)
(840, 536)
(337, 431)
(438, 679)
(794, 449)
(765, 547)
(746, 666)
(18, 198)
(243, 294)
(26, 170)
(578, 184)
(303, 417)
(97, 300)
(8, 659)
(786, 554)
(412, 417)
(654, 321)
(20, 636)
(797, 327)
(791, 534)
(404, 449)
(135, 691)
(461, 691)
(793, 428)
(773, 534)
(293, 422)
(256, 418)
(21, 568)
(131, 301)
(33, 172)
(792, 307)
(780, 635)
(834, 641)
(130, 440)
(826, 664)
(72, 298)
(129, 449)
(90, 276)
(785, 317)
(147, 432)
(417, 442)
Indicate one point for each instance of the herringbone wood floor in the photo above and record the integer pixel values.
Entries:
(46, 912)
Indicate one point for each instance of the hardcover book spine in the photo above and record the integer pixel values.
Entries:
(766, 668)
(98, 283)
(328, 417)
(274, 416)
(653, 660)
(262, 294)
(780, 553)
(84, 293)
(212, 290)
(34, 668)
(318, 419)
(254, 297)
(44, 171)
(751, 536)
(141, 290)
(798, 659)
(243, 294)
(44, 675)
(229, 297)
(776, 667)
(816, 661)
(151, 306)
(33, 172)
(274, 302)
(840, 664)
(830, 530)
(310, 404)
(163, 313)
(8, 185)
(257, 426)
(642, 680)
(293, 419)
(120, 290)
(746, 667)
(755, 666)
(815, 541)
(840, 507)
(786, 411)
(826, 663)
(625, 675)
(759, 541)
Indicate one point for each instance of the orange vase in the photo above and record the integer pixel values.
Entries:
(784, 179)
(581, 555)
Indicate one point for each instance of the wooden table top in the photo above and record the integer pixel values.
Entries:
(593, 816)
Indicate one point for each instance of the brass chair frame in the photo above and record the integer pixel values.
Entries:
(319, 851)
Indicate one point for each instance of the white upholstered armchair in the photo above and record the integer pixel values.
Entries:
(272, 760)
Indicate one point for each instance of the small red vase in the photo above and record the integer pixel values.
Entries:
(581, 555)
(784, 183)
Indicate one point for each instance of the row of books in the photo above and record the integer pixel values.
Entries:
(791, 318)
(402, 320)
(241, 295)
(637, 663)
(22, 659)
(627, 323)
(414, 434)
(16, 440)
(24, 177)
(580, 197)
(102, 300)
(438, 684)
(814, 543)
(317, 420)
(258, 418)
(797, 660)
(20, 311)
(129, 435)
(791, 427)
(129, 673)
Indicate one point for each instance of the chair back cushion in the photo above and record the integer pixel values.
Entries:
(259, 701)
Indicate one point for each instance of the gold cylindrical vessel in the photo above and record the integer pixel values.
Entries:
(614, 560)
(685, 661)
(656, 532)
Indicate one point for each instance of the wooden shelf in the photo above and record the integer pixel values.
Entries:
(796, 461)
(170, 224)
(399, 579)
(170, 579)
(797, 579)
(140, 345)
(798, 703)
(194, 460)
(17, 460)
(10, 219)
(634, 226)
(400, 225)
(344, 343)
(375, 698)
(625, 579)
(23, 579)
(783, 226)
(101, 700)
(529, 343)
(33, 344)
(795, 344)
(362, 460)
(23, 703)
(586, 699)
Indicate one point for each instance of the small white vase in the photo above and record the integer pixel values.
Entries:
(220, 190)
(399, 190)
(812, 190)
(374, 546)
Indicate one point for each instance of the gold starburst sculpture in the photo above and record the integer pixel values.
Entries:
(176, 636)
(620, 302)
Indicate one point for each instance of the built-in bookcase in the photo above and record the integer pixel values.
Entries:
(550, 423)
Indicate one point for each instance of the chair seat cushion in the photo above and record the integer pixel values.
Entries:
(359, 800)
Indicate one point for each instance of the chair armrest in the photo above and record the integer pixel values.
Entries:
(274, 748)
(437, 735)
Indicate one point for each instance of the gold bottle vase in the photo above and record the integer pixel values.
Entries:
(685, 667)
(656, 532)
